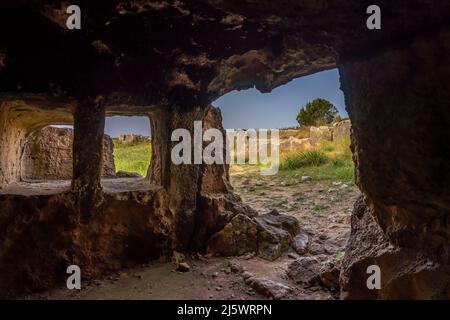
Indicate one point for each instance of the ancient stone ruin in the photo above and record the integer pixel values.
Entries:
(169, 60)
(132, 138)
(337, 131)
(296, 140)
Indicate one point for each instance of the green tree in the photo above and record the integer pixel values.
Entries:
(317, 112)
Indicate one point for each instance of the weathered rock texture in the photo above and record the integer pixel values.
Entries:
(170, 60)
(400, 121)
(47, 155)
(268, 235)
(306, 270)
(406, 272)
(19, 119)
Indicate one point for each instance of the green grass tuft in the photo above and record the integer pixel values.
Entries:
(133, 157)
(328, 161)
(303, 159)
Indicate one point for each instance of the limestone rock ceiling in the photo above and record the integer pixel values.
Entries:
(143, 52)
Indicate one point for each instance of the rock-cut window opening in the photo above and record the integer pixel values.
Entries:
(131, 142)
(46, 161)
(48, 155)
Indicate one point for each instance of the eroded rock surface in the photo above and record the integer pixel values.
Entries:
(48, 155)
(269, 235)
(306, 270)
(239, 236)
(275, 234)
(405, 227)
(329, 273)
(406, 273)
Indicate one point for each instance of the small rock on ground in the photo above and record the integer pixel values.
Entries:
(305, 270)
(184, 267)
(270, 288)
(235, 266)
(300, 243)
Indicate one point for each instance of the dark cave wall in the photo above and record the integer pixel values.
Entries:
(398, 100)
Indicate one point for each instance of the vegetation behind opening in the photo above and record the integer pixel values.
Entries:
(132, 157)
(329, 160)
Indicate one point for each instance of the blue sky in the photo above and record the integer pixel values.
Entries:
(279, 109)
(252, 109)
(116, 126)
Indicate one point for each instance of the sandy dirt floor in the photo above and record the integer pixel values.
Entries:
(322, 207)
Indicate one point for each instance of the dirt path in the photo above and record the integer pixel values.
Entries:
(322, 207)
